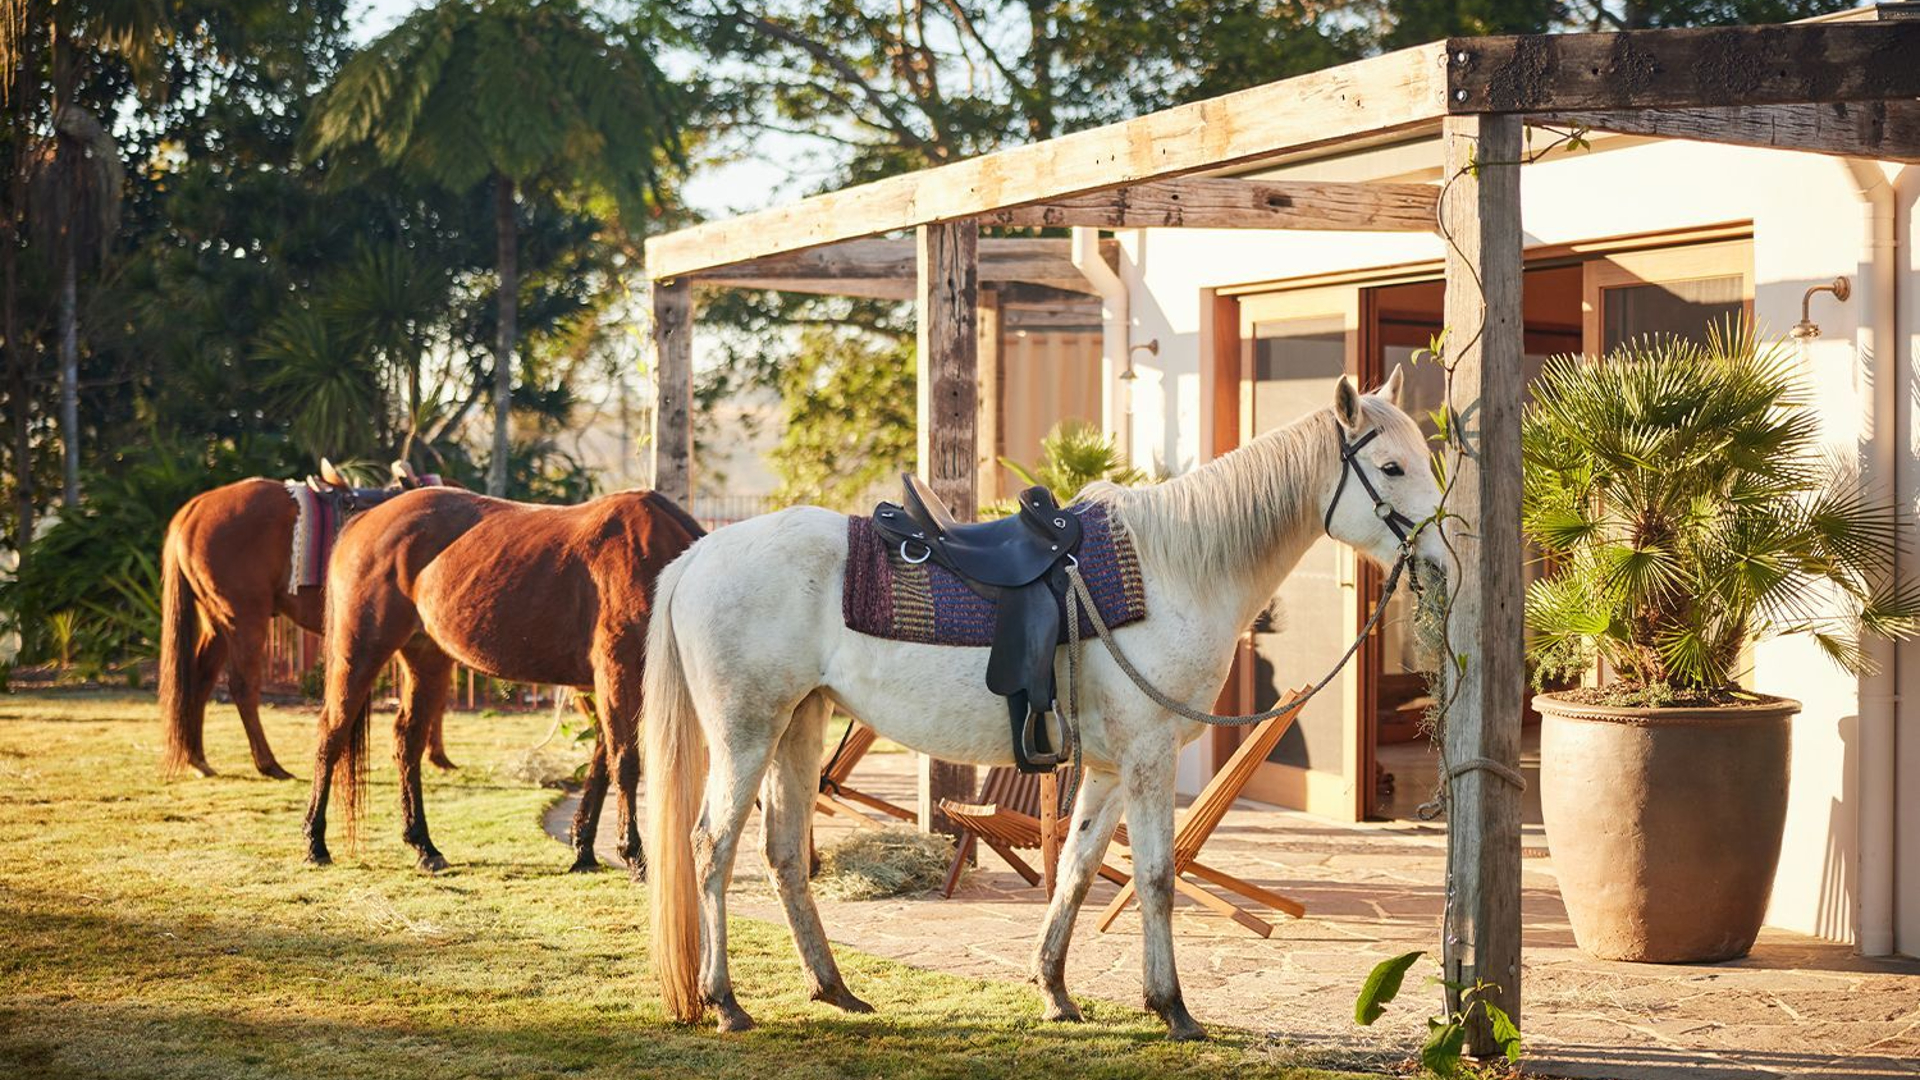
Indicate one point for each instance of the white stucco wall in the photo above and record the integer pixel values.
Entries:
(1806, 222)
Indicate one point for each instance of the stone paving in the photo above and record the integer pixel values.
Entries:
(1797, 1007)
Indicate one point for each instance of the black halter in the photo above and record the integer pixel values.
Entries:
(1401, 524)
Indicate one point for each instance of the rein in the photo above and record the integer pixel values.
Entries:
(1078, 599)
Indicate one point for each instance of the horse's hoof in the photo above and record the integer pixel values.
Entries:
(1181, 1026)
(842, 998)
(1062, 1012)
(272, 771)
(442, 762)
(638, 872)
(319, 857)
(433, 862)
(200, 766)
(585, 864)
(733, 1018)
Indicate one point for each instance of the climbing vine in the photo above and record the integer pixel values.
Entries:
(1467, 1003)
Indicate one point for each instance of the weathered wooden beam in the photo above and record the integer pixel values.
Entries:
(888, 266)
(867, 288)
(948, 363)
(1210, 203)
(1371, 97)
(673, 385)
(1797, 63)
(1888, 130)
(1481, 213)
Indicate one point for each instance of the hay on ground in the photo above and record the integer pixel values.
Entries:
(874, 864)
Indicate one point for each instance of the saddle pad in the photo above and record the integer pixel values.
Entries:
(314, 531)
(885, 596)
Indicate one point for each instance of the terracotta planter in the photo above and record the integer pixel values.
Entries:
(1665, 824)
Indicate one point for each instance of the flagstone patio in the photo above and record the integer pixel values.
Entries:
(1797, 1007)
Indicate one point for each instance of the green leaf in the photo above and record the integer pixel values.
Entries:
(1441, 1054)
(1382, 984)
(1505, 1031)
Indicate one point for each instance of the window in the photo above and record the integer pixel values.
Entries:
(1673, 292)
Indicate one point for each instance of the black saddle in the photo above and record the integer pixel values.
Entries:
(1019, 563)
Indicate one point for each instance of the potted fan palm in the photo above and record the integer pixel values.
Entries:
(1686, 509)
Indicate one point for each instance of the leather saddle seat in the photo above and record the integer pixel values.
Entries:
(1019, 563)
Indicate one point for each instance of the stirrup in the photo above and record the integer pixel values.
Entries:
(1028, 756)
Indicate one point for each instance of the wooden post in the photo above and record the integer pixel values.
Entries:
(1481, 213)
(673, 382)
(948, 297)
(1049, 831)
(987, 467)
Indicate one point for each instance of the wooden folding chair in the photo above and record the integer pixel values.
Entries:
(834, 793)
(1201, 818)
(1016, 812)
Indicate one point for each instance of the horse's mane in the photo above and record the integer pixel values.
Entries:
(1230, 517)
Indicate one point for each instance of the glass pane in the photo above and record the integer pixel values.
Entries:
(1683, 309)
(1296, 365)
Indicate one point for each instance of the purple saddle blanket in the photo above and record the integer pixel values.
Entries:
(886, 596)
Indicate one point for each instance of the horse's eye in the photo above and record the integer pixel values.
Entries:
(1391, 468)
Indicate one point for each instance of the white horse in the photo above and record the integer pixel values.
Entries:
(748, 651)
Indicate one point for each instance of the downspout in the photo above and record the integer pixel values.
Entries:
(1879, 693)
(1906, 735)
(1115, 330)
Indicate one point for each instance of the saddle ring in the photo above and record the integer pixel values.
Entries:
(1073, 560)
(910, 560)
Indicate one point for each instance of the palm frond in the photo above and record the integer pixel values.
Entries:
(1685, 489)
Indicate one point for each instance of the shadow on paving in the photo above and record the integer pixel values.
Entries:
(1641, 1063)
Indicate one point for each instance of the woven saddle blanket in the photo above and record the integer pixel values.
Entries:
(314, 532)
(886, 596)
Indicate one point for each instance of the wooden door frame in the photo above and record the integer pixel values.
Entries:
(1225, 402)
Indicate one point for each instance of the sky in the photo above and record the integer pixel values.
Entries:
(774, 169)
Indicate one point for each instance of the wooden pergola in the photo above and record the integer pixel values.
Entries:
(1848, 86)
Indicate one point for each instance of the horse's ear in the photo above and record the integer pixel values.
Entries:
(402, 472)
(1390, 390)
(330, 474)
(1346, 404)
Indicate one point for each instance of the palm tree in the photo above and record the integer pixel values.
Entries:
(527, 96)
(72, 175)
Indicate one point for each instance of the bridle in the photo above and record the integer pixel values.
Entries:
(1401, 524)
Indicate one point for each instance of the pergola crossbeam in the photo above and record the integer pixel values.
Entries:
(1379, 95)
(1888, 130)
(1798, 63)
(886, 268)
(1226, 203)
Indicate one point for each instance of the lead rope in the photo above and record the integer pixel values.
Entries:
(1079, 599)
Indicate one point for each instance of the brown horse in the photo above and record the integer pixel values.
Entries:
(542, 594)
(224, 574)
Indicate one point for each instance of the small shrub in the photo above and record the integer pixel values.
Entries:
(874, 864)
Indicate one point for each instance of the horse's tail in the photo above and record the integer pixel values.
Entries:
(673, 765)
(179, 666)
(349, 761)
(351, 773)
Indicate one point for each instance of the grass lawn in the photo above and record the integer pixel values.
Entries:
(152, 929)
